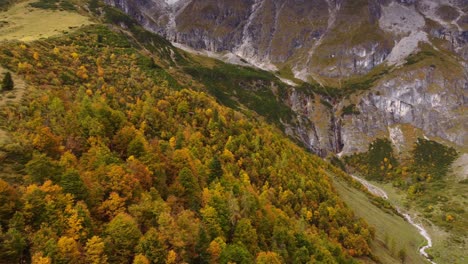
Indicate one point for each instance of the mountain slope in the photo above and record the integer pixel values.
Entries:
(115, 162)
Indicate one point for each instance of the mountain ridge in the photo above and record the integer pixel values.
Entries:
(260, 31)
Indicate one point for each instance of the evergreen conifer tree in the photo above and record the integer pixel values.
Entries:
(7, 83)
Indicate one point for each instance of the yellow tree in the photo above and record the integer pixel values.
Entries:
(68, 251)
(39, 259)
(141, 259)
(95, 251)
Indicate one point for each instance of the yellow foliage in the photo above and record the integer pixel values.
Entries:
(100, 71)
(449, 218)
(24, 67)
(331, 211)
(95, 251)
(214, 249)
(141, 259)
(75, 56)
(68, 160)
(245, 178)
(171, 257)
(36, 55)
(113, 205)
(68, 251)
(74, 222)
(82, 72)
(172, 142)
(39, 259)
(227, 156)
(115, 183)
(209, 113)
(309, 215)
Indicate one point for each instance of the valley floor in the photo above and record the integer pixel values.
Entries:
(394, 236)
(450, 241)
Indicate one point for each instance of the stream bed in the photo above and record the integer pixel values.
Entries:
(381, 193)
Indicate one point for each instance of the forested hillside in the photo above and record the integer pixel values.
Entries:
(114, 161)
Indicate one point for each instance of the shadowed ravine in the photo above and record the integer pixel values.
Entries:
(381, 193)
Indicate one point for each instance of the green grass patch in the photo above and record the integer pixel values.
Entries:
(350, 110)
(348, 86)
(235, 85)
(420, 56)
(156, 44)
(53, 5)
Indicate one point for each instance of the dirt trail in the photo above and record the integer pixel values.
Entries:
(10, 97)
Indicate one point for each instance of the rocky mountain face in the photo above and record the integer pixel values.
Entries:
(418, 50)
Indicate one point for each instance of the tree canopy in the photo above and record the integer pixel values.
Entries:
(124, 164)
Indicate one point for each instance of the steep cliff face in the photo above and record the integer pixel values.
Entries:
(416, 101)
(273, 34)
(420, 102)
(421, 44)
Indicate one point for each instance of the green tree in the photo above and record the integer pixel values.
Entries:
(216, 171)
(246, 234)
(152, 247)
(41, 168)
(7, 83)
(72, 183)
(236, 253)
(122, 235)
(8, 202)
(191, 188)
(12, 246)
